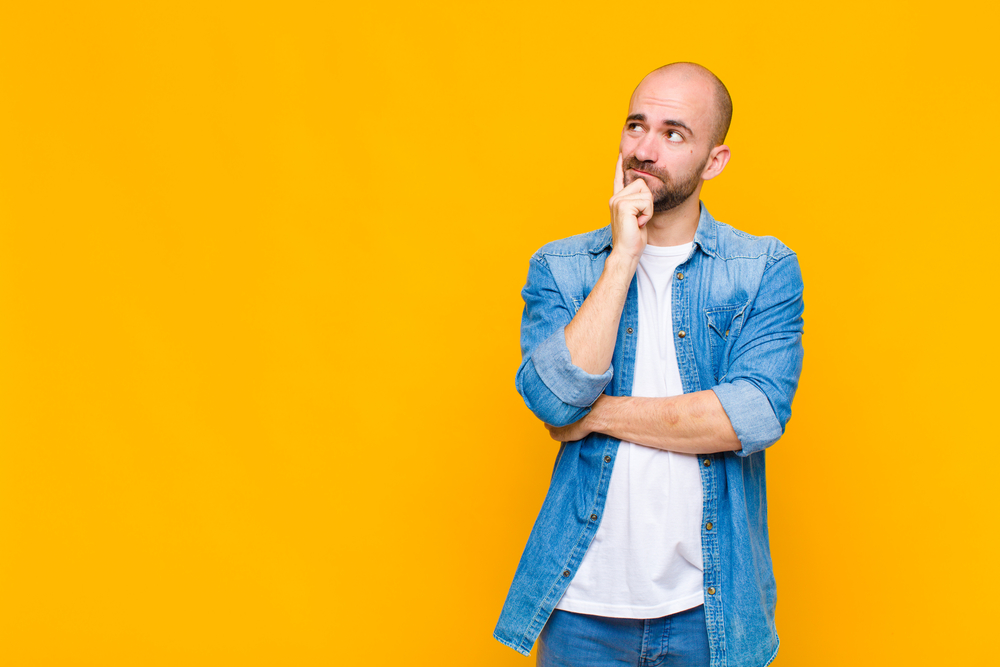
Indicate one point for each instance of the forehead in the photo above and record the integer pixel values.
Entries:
(677, 96)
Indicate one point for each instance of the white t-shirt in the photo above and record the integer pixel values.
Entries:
(645, 560)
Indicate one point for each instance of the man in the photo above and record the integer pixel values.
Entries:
(663, 351)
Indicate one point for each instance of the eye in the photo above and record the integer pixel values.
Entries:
(675, 136)
(633, 127)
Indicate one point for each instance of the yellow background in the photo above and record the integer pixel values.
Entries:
(260, 268)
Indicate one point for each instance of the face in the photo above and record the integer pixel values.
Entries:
(667, 139)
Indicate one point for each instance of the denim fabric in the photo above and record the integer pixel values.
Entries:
(580, 640)
(738, 300)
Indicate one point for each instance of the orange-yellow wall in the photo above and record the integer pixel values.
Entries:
(260, 268)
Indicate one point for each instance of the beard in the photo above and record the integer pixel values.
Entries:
(669, 193)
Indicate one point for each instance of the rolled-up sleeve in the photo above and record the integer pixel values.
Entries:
(766, 362)
(553, 388)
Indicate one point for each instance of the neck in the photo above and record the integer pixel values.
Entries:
(676, 226)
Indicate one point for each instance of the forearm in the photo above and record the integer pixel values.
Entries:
(591, 336)
(693, 423)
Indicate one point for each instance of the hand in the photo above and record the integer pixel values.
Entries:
(581, 428)
(631, 208)
(578, 430)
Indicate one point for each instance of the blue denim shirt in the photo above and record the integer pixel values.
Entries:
(737, 299)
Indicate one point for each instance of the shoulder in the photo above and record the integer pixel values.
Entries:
(588, 244)
(735, 244)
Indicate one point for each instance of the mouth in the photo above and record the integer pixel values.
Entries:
(642, 173)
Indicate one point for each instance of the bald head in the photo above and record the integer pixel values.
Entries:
(722, 104)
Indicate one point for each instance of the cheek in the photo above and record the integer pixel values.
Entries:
(628, 143)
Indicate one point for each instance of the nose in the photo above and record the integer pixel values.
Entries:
(645, 149)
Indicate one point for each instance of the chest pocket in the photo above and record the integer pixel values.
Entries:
(724, 325)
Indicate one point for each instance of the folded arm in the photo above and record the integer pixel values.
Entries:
(566, 358)
(553, 387)
(744, 414)
(693, 423)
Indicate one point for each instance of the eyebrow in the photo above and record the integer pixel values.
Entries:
(641, 117)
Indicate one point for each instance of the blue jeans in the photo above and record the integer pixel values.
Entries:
(581, 640)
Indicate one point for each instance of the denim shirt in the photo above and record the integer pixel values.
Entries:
(737, 322)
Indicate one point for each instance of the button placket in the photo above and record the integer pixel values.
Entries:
(680, 318)
(710, 536)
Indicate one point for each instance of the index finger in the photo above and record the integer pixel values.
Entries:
(619, 176)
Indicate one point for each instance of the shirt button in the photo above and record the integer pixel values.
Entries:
(711, 591)
(566, 574)
(708, 462)
(680, 276)
(607, 459)
(708, 526)
(681, 334)
(629, 330)
(593, 517)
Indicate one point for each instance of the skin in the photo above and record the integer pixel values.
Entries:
(667, 143)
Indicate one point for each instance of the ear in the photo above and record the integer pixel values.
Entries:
(718, 158)
(619, 176)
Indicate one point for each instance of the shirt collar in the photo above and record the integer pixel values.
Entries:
(704, 237)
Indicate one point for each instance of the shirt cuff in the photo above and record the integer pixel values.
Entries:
(570, 384)
(751, 415)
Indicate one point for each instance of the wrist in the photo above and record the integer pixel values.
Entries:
(596, 419)
(621, 263)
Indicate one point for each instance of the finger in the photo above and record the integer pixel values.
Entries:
(643, 216)
(638, 185)
(630, 191)
(635, 203)
(636, 196)
(619, 176)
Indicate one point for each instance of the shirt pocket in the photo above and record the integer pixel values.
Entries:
(724, 324)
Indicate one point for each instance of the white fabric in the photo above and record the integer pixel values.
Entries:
(645, 560)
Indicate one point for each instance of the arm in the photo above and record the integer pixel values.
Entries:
(566, 360)
(745, 414)
(690, 423)
(591, 336)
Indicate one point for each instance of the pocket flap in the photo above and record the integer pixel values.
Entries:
(726, 319)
